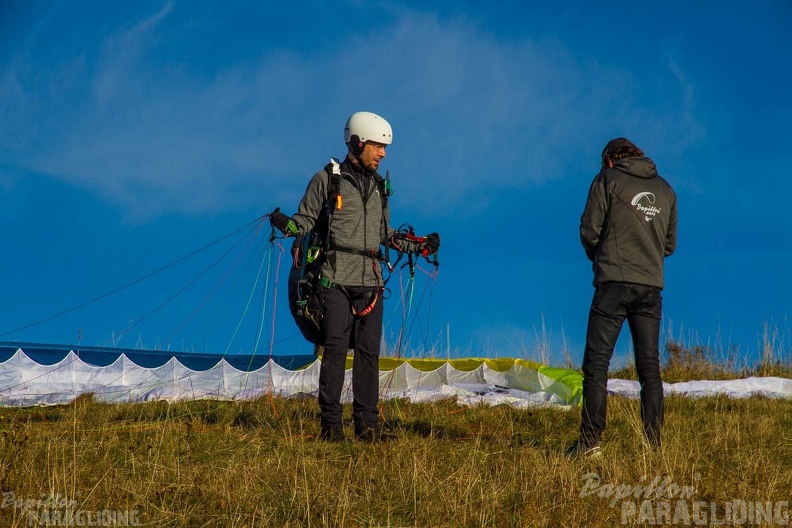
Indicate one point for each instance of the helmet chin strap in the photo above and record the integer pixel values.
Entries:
(356, 156)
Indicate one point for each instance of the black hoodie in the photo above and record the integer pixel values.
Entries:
(629, 224)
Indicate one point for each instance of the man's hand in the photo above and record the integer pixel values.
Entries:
(430, 245)
(284, 223)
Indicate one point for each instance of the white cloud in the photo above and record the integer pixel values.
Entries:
(471, 113)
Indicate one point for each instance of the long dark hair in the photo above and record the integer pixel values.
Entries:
(617, 149)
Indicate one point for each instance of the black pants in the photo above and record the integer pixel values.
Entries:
(341, 331)
(642, 307)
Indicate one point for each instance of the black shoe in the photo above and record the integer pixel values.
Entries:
(582, 449)
(332, 434)
(375, 434)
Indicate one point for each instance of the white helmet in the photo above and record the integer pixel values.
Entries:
(365, 126)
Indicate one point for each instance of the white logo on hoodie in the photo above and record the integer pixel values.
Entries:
(649, 211)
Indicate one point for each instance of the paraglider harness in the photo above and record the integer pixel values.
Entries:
(310, 251)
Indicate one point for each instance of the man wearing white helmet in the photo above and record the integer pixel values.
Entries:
(352, 283)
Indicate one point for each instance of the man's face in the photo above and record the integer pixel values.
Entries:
(372, 154)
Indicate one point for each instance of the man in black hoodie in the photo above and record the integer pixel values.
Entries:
(627, 229)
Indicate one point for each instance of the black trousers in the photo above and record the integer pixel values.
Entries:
(343, 331)
(642, 306)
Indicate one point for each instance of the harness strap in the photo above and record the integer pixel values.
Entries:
(327, 283)
(374, 254)
(370, 307)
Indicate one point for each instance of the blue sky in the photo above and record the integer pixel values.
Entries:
(134, 133)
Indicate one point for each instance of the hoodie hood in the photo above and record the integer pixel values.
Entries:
(638, 167)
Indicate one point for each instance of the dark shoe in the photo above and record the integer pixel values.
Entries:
(375, 434)
(332, 434)
(583, 450)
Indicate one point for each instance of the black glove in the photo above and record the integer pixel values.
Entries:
(430, 245)
(284, 223)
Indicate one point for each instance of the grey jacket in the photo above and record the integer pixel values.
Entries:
(360, 224)
(629, 224)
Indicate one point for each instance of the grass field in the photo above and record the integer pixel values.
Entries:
(258, 463)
